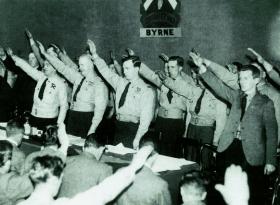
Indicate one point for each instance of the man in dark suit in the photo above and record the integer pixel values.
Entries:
(249, 138)
(14, 133)
(84, 171)
(147, 188)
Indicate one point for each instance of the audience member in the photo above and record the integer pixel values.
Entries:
(84, 171)
(13, 187)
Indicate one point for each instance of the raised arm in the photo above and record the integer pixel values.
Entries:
(35, 48)
(146, 115)
(150, 75)
(273, 74)
(117, 66)
(113, 185)
(64, 57)
(213, 81)
(68, 72)
(101, 102)
(229, 78)
(28, 69)
(110, 76)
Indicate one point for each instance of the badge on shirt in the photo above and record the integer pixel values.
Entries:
(53, 86)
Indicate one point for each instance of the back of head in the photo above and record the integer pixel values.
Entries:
(193, 188)
(14, 128)
(50, 136)
(6, 149)
(43, 167)
(92, 141)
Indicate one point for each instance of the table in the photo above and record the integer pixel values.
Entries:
(173, 177)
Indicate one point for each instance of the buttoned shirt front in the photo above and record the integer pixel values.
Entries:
(54, 96)
(140, 99)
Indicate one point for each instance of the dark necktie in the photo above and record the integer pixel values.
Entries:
(123, 96)
(243, 102)
(198, 103)
(42, 89)
(78, 89)
(169, 96)
(6, 76)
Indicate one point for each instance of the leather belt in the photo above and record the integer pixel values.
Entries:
(199, 121)
(82, 107)
(170, 113)
(127, 118)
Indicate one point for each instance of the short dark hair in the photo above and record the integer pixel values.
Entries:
(6, 149)
(179, 59)
(14, 127)
(135, 60)
(255, 71)
(50, 136)
(195, 179)
(42, 166)
(149, 139)
(93, 140)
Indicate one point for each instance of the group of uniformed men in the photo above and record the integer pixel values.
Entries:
(83, 96)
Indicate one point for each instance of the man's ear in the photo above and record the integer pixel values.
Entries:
(257, 80)
(180, 69)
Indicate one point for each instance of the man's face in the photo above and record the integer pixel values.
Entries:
(32, 60)
(173, 69)
(129, 70)
(48, 69)
(85, 65)
(246, 81)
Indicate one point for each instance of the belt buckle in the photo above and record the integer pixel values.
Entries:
(165, 113)
(196, 120)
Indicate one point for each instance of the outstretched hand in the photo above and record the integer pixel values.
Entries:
(92, 47)
(257, 55)
(130, 52)
(164, 57)
(195, 57)
(235, 189)
(28, 33)
(56, 48)
(41, 47)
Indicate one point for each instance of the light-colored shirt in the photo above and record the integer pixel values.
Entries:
(212, 109)
(93, 93)
(140, 98)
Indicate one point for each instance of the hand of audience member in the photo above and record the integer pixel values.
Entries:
(130, 52)
(162, 75)
(140, 157)
(2, 53)
(135, 143)
(164, 57)
(268, 169)
(198, 61)
(92, 47)
(28, 33)
(9, 51)
(235, 190)
(63, 138)
(41, 47)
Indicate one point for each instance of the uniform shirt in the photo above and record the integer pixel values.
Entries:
(177, 102)
(55, 96)
(212, 109)
(93, 94)
(140, 98)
